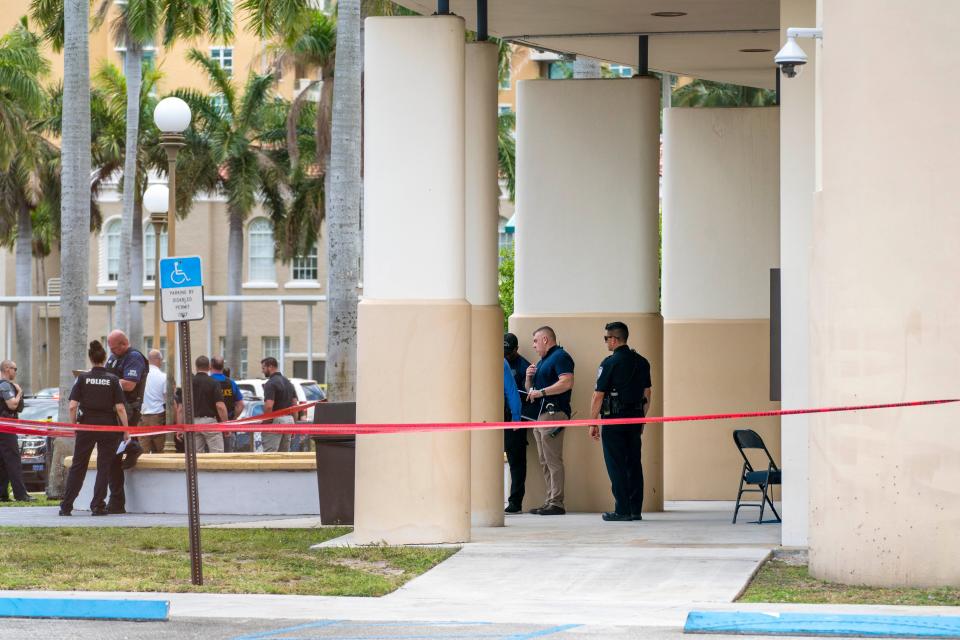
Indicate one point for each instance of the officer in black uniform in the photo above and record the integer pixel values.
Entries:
(623, 391)
(131, 368)
(11, 404)
(515, 440)
(98, 399)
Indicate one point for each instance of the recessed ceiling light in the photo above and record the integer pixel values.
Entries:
(755, 50)
(668, 14)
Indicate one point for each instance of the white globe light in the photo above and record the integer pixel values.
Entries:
(156, 199)
(172, 115)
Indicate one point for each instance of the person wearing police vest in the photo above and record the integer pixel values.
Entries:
(130, 366)
(515, 440)
(232, 398)
(11, 404)
(96, 398)
(623, 391)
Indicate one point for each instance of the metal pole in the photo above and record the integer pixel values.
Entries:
(443, 7)
(309, 342)
(156, 287)
(209, 315)
(171, 143)
(109, 318)
(482, 33)
(643, 64)
(190, 449)
(9, 329)
(283, 328)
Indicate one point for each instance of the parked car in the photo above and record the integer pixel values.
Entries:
(307, 391)
(252, 406)
(48, 393)
(33, 449)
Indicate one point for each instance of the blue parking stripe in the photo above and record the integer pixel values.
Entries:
(748, 622)
(542, 633)
(299, 627)
(85, 608)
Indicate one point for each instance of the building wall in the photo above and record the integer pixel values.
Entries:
(720, 240)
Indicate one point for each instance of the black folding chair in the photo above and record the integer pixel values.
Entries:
(762, 479)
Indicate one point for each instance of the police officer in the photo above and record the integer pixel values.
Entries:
(515, 440)
(232, 398)
(623, 391)
(130, 366)
(11, 404)
(98, 399)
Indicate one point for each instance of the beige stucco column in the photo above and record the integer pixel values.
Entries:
(721, 235)
(414, 321)
(885, 298)
(486, 355)
(587, 243)
(796, 221)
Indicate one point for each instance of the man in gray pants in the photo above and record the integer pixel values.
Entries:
(208, 407)
(278, 393)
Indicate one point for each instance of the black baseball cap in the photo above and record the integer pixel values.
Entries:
(510, 341)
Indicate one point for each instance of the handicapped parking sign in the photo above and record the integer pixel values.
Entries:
(181, 288)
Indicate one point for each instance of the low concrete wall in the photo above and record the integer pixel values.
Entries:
(229, 484)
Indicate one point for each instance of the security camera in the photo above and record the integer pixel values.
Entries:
(792, 57)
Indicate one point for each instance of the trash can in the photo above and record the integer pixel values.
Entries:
(336, 460)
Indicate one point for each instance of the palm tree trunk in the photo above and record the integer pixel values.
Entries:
(136, 276)
(24, 287)
(75, 197)
(234, 328)
(343, 208)
(132, 71)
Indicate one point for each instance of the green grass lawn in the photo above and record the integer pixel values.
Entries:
(779, 581)
(40, 500)
(275, 561)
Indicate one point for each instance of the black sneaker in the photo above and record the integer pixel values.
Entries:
(636, 516)
(613, 516)
(100, 512)
(65, 512)
(552, 511)
(512, 509)
(131, 454)
(536, 510)
(27, 499)
(114, 510)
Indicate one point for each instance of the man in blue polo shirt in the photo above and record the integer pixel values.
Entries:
(549, 384)
(232, 398)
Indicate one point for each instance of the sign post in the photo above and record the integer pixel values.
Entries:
(181, 300)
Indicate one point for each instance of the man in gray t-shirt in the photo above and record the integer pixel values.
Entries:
(11, 404)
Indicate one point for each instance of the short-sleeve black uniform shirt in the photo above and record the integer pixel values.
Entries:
(131, 366)
(206, 395)
(9, 392)
(280, 390)
(98, 391)
(627, 373)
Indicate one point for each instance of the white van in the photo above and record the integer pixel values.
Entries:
(307, 391)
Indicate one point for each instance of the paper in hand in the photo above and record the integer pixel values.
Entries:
(122, 447)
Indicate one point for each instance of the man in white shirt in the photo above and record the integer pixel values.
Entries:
(153, 411)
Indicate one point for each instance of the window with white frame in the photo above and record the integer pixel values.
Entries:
(219, 103)
(234, 372)
(270, 347)
(505, 80)
(111, 249)
(148, 341)
(150, 248)
(304, 267)
(622, 70)
(504, 108)
(224, 57)
(262, 265)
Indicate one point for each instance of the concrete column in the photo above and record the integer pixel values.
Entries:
(587, 244)
(885, 299)
(413, 488)
(796, 218)
(721, 237)
(486, 356)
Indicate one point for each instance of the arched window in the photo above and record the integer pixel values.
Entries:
(262, 266)
(149, 248)
(111, 249)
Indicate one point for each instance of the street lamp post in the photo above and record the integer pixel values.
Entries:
(156, 199)
(172, 117)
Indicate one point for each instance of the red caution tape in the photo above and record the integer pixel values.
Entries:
(33, 427)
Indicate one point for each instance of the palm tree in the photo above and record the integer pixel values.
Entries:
(706, 93)
(137, 25)
(71, 35)
(225, 154)
(26, 159)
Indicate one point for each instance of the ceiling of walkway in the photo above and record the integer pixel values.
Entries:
(707, 42)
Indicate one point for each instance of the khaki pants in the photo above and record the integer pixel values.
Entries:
(273, 442)
(153, 444)
(550, 450)
(208, 441)
(57, 480)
